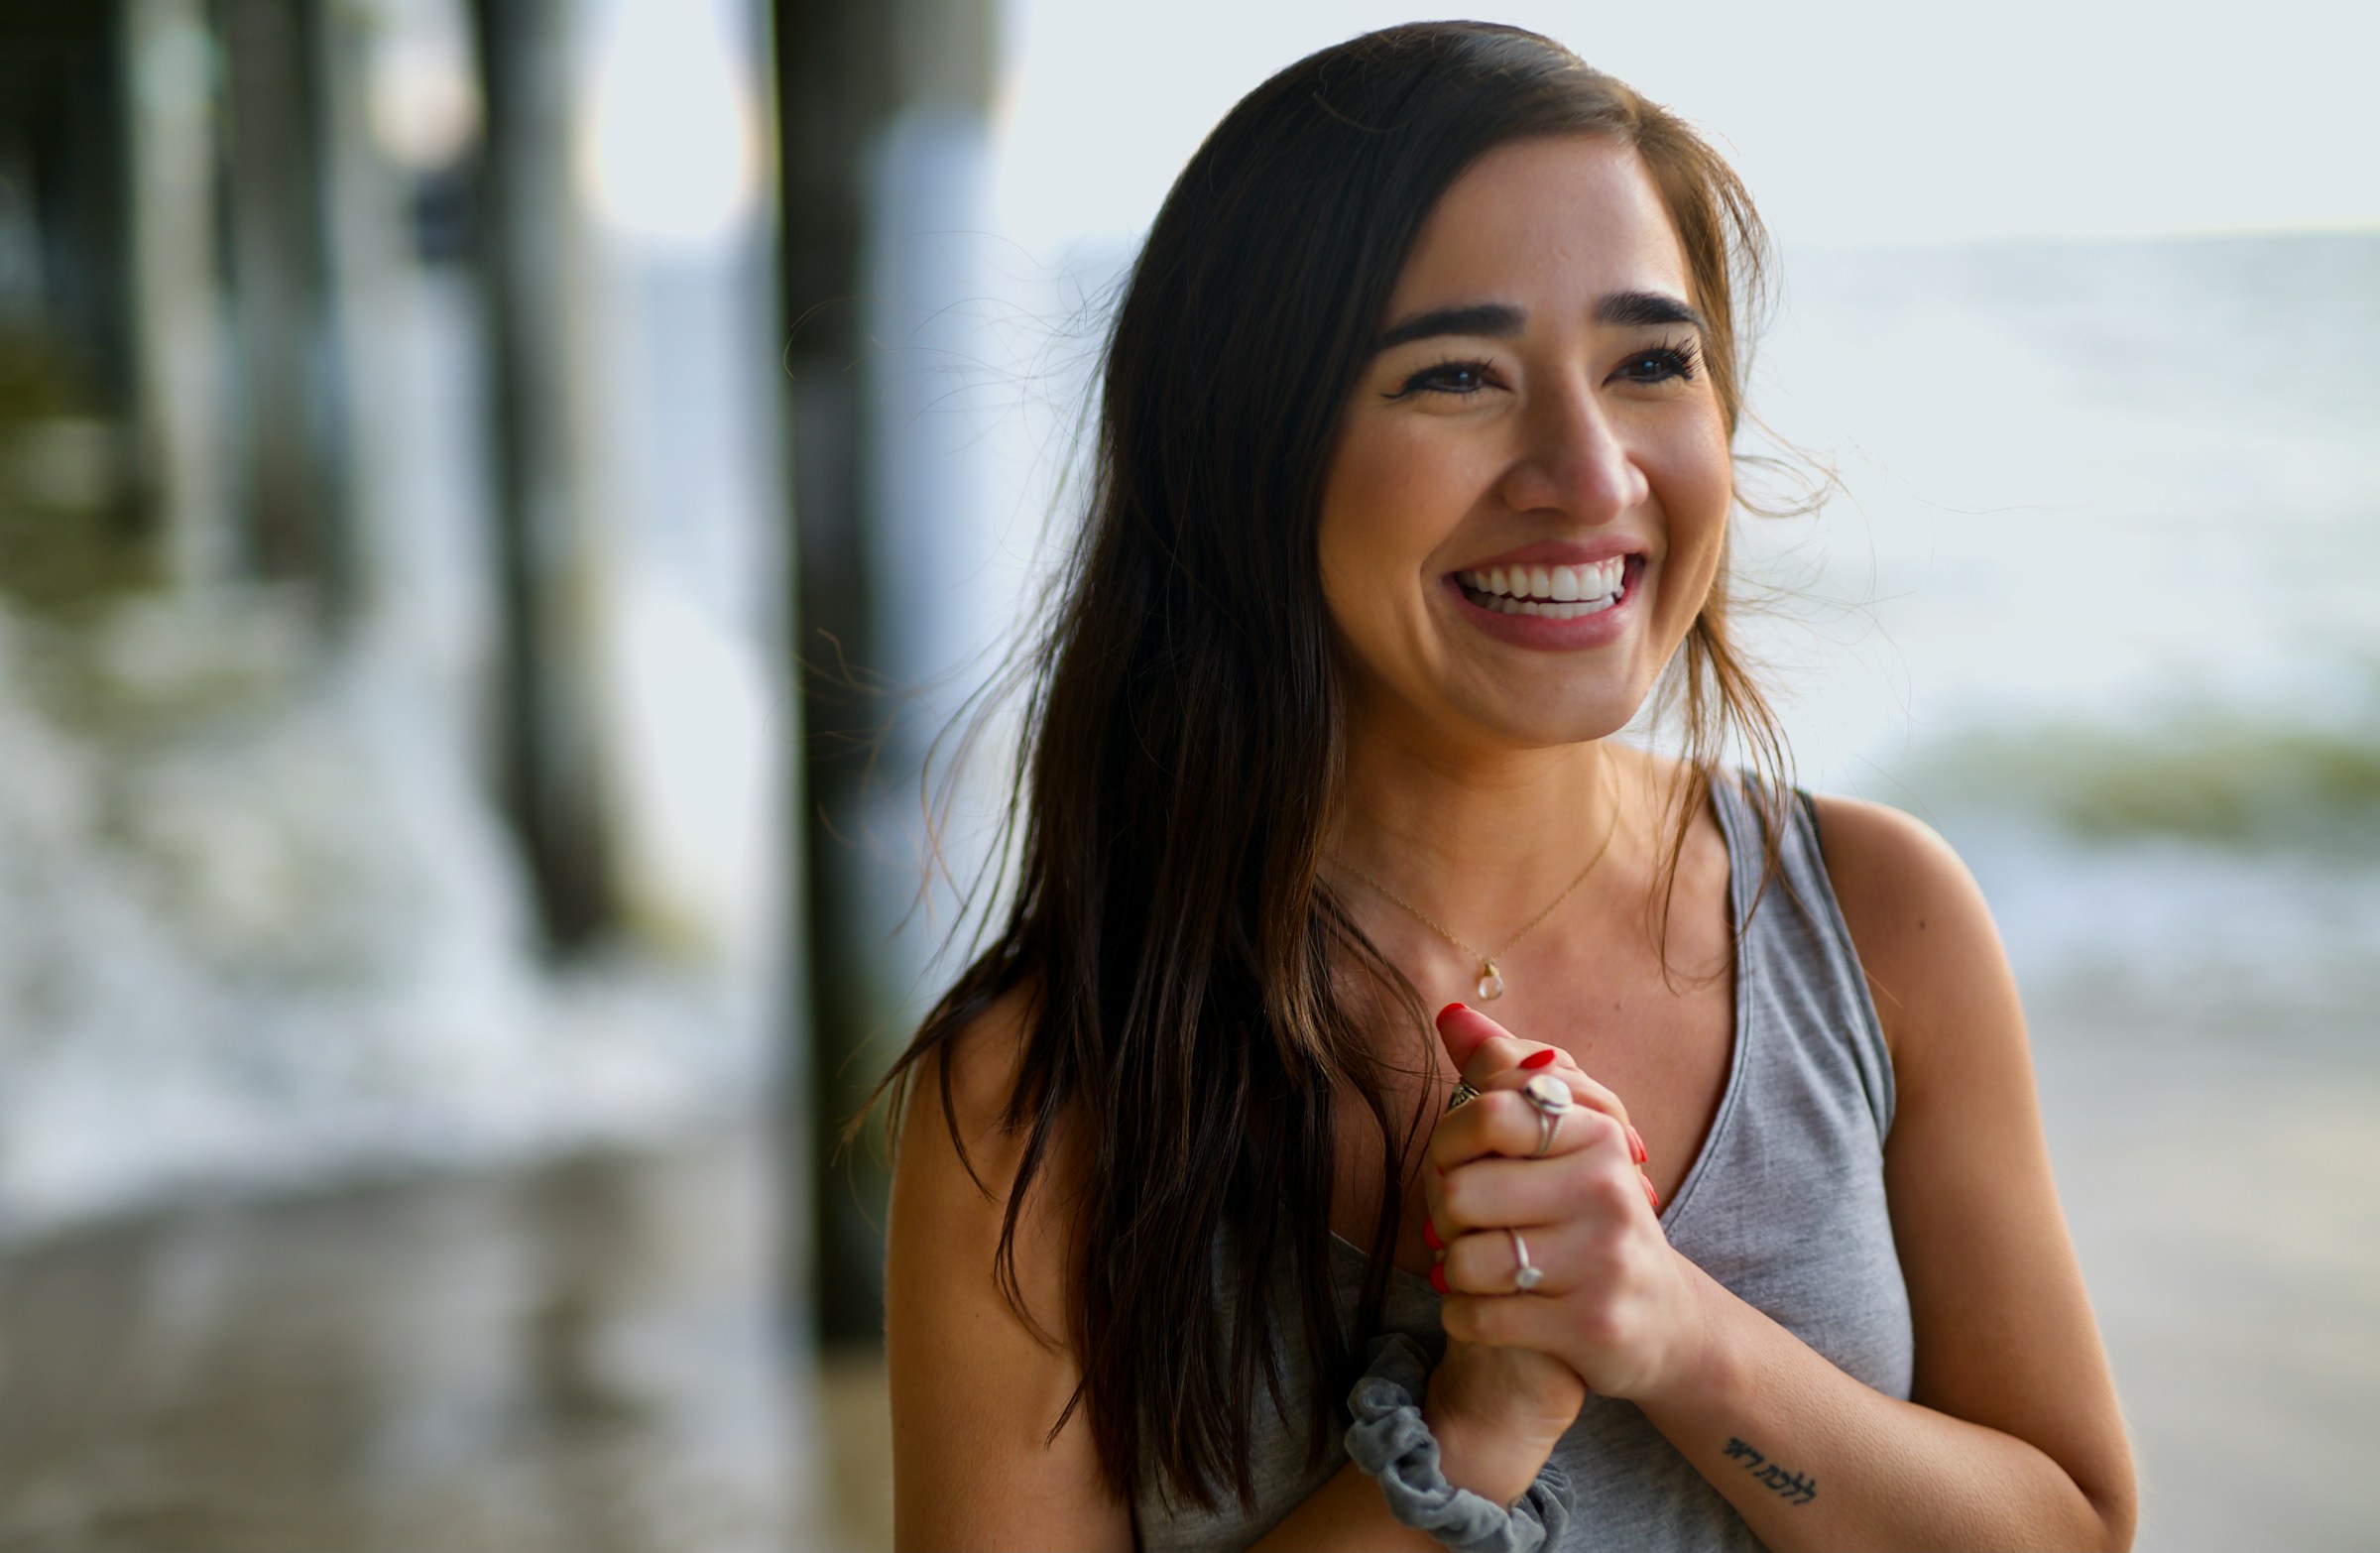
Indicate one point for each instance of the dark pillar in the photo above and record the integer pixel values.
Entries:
(73, 526)
(552, 760)
(292, 422)
(847, 70)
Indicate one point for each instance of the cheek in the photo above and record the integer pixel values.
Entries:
(1382, 517)
(1380, 492)
(1698, 483)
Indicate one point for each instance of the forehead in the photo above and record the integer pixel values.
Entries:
(1551, 223)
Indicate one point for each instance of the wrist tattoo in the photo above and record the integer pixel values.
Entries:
(1797, 1488)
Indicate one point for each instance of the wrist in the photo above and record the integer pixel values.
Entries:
(1701, 1371)
(1393, 1440)
(1496, 1464)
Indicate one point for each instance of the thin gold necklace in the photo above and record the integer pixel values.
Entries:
(1491, 980)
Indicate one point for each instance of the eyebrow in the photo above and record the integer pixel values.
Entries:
(1633, 307)
(1501, 320)
(1494, 320)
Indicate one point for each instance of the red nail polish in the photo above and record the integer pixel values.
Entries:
(1636, 1154)
(1652, 1194)
(1538, 1059)
(1438, 1277)
(1429, 1236)
(1449, 1009)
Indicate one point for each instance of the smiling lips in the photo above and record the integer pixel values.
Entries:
(1548, 592)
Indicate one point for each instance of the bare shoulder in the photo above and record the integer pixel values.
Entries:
(980, 1366)
(968, 1085)
(956, 1160)
(1919, 920)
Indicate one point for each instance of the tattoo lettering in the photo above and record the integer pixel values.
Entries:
(1797, 1488)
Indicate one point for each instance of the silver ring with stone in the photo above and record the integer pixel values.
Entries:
(1528, 1274)
(1464, 1095)
(1553, 1101)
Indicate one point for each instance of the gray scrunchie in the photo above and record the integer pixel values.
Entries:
(1391, 1443)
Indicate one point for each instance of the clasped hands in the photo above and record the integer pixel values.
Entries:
(1614, 1308)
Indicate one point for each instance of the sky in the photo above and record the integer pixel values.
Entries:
(1855, 123)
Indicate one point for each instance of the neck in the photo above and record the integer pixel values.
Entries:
(1479, 840)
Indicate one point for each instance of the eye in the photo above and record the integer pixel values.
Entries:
(1461, 378)
(1674, 361)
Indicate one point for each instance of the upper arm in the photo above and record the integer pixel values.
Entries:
(2004, 1332)
(976, 1389)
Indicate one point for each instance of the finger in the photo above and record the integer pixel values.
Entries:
(1488, 1262)
(1584, 1090)
(1593, 1183)
(1511, 1126)
(1505, 1123)
(1462, 1030)
(1500, 1321)
(1480, 1047)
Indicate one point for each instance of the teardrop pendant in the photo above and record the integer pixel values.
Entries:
(1492, 982)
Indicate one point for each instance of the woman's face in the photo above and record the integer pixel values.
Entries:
(1525, 511)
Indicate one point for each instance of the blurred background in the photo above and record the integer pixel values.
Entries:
(498, 497)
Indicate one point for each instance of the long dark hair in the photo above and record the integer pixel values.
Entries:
(1170, 929)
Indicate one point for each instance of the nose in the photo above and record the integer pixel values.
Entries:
(1575, 461)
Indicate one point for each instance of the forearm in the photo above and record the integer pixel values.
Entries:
(1346, 1511)
(1349, 1512)
(1811, 1457)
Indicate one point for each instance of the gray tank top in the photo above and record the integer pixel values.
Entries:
(1785, 1206)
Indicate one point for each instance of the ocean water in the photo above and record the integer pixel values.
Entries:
(2098, 591)
(2108, 483)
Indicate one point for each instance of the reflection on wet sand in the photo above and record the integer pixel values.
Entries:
(585, 1356)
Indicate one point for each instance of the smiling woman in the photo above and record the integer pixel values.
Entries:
(1414, 489)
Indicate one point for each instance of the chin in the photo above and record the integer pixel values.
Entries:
(1533, 723)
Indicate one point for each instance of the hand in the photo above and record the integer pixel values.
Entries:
(1497, 1410)
(1616, 1305)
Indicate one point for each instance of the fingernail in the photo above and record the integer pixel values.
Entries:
(1636, 1154)
(1538, 1059)
(1438, 1277)
(1652, 1193)
(1429, 1236)
(1449, 1009)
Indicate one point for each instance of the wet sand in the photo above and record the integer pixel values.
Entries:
(2220, 1168)
(583, 1355)
(589, 1357)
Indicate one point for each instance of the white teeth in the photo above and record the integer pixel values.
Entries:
(1595, 585)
